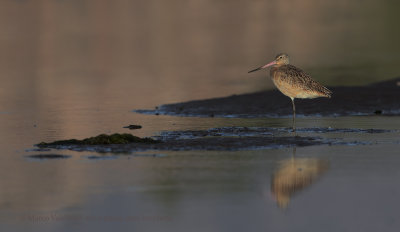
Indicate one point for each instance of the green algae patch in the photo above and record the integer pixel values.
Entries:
(102, 139)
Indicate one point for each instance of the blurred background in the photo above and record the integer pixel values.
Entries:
(154, 52)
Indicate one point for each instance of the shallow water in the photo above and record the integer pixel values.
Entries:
(74, 69)
(207, 190)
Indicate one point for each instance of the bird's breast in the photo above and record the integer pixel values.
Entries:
(290, 85)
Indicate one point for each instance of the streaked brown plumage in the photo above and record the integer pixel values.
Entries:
(293, 82)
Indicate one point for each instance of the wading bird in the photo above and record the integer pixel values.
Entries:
(293, 82)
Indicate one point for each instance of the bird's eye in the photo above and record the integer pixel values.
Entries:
(280, 57)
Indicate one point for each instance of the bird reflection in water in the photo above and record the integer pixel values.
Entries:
(295, 174)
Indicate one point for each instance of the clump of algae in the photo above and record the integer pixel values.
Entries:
(102, 139)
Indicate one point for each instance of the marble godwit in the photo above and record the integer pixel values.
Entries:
(293, 82)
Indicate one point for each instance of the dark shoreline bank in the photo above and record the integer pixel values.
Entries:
(381, 98)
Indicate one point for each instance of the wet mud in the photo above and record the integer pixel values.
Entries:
(206, 143)
(221, 139)
(259, 131)
(380, 98)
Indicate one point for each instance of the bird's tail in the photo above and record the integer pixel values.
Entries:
(326, 92)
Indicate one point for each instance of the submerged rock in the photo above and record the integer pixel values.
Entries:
(48, 156)
(133, 127)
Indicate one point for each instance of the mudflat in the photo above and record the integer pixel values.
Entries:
(381, 98)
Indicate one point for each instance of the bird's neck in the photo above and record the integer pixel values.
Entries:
(280, 65)
(274, 69)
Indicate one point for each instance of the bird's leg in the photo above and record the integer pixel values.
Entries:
(294, 115)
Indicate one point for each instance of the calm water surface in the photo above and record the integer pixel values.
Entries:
(74, 69)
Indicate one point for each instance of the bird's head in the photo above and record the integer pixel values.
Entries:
(280, 59)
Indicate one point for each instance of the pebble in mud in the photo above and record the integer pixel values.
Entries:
(133, 127)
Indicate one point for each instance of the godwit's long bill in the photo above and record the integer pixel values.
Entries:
(293, 82)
